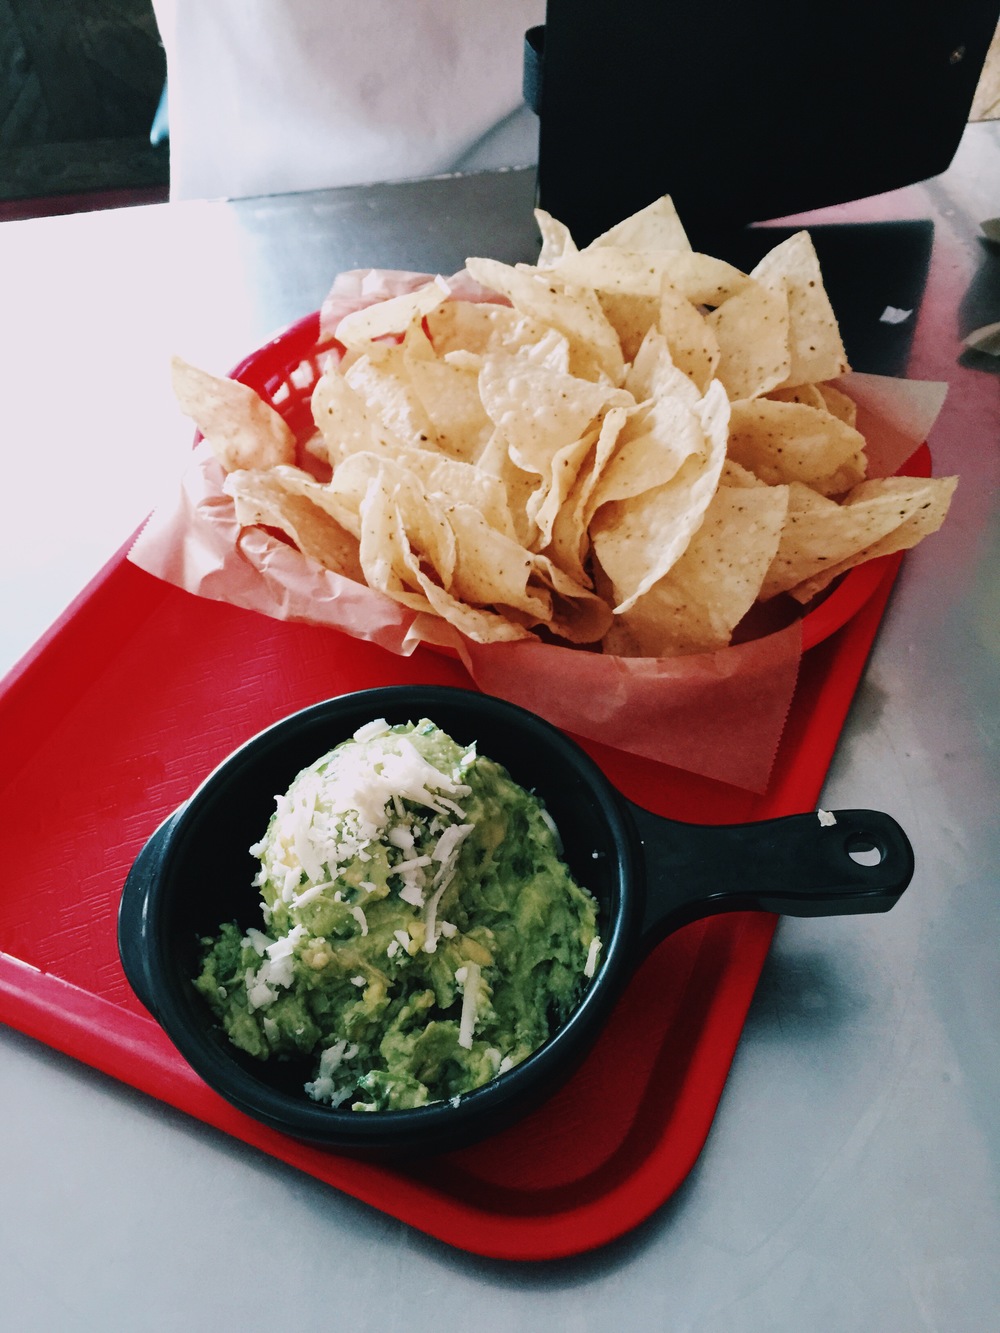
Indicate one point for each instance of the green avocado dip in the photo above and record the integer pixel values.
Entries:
(420, 930)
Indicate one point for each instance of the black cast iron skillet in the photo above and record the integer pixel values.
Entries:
(650, 875)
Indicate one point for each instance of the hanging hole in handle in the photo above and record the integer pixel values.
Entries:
(864, 851)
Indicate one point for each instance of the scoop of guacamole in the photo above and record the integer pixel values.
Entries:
(420, 933)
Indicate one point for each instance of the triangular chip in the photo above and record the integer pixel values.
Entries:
(637, 541)
(539, 410)
(919, 505)
(569, 539)
(655, 227)
(751, 330)
(653, 444)
(243, 429)
(263, 499)
(393, 316)
(815, 346)
(697, 605)
(782, 442)
(556, 238)
(449, 395)
(492, 569)
(574, 311)
(346, 423)
(474, 327)
(381, 378)
(693, 343)
(422, 516)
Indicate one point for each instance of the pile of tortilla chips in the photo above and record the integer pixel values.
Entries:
(624, 447)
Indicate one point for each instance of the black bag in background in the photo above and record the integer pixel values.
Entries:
(746, 111)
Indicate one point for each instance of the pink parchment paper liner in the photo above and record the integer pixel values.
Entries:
(718, 714)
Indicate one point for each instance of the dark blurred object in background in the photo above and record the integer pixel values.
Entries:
(744, 112)
(80, 81)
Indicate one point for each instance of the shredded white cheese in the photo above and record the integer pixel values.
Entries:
(468, 977)
(324, 1087)
(378, 727)
(259, 993)
(360, 918)
(593, 953)
(256, 940)
(337, 810)
(826, 818)
(446, 852)
(308, 895)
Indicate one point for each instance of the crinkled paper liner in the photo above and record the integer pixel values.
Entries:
(718, 714)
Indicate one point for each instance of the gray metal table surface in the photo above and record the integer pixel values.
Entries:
(850, 1180)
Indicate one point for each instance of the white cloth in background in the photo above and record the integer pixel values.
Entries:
(270, 96)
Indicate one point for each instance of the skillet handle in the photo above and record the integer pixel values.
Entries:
(799, 865)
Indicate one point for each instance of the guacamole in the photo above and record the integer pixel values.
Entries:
(420, 933)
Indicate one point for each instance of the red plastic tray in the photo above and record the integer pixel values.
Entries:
(141, 689)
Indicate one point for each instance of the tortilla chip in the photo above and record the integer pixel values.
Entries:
(637, 541)
(735, 474)
(243, 430)
(693, 343)
(631, 316)
(391, 566)
(578, 614)
(449, 396)
(921, 506)
(838, 404)
(381, 379)
(751, 329)
(453, 481)
(391, 317)
(822, 538)
(808, 394)
(382, 482)
(262, 499)
(540, 411)
(575, 311)
(556, 238)
(814, 342)
(655, 374)
(519, 486)
(346, 423)
(655, 227)
(475, 327)
(701, 279)
(492, 569)
(783, 442)
(654, 443)
(696, 606)
(569, 539)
